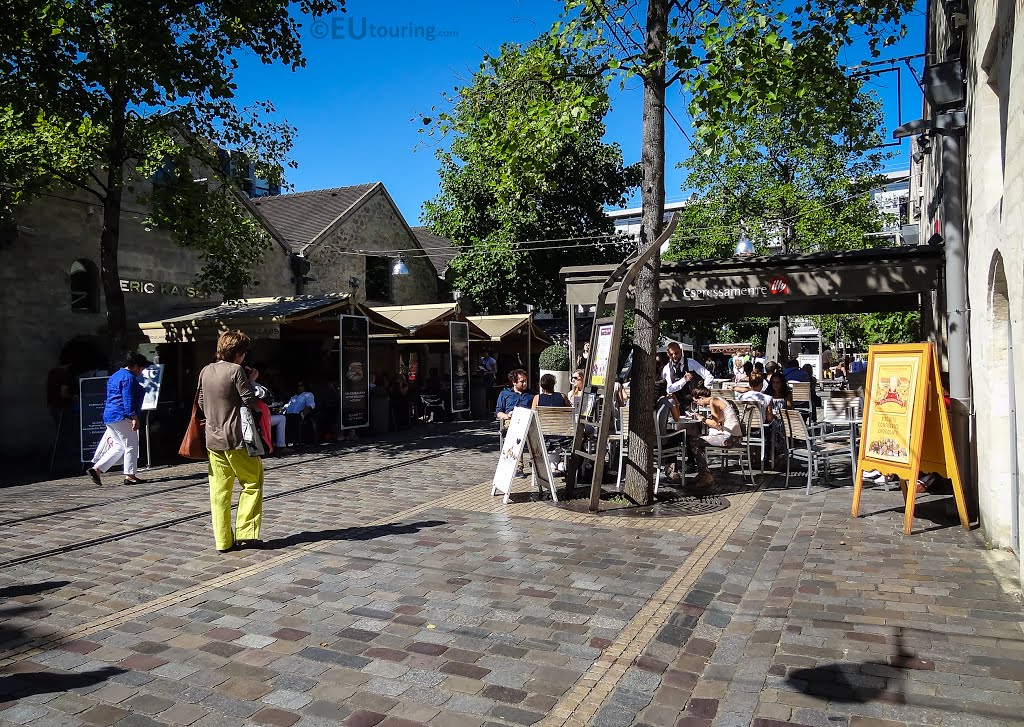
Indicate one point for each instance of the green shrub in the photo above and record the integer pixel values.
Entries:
(555, 358)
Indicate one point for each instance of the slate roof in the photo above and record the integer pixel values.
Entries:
(261, 310)
(301, 217)
(439, 249)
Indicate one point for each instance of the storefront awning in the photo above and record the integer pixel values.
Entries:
(262, 318)
(500, 328)
(428, 322)
(859, 281)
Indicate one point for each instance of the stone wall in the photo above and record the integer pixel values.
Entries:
(995, 227)
(36, 319)
(375, 225)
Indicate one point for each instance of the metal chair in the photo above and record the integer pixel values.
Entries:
(802, 398)
(558, 427)
(674, 440)
(808, 444)
(750, 422)
(621, 437)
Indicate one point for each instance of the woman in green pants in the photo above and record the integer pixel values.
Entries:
(224, 388)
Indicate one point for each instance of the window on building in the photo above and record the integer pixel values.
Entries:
(378, 278)
(84, 281)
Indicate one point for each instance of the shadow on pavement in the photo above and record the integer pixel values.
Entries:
(30, 589)
(882, 681)
(354, 533)
(851, 683)
(19, 686)
(12, 635)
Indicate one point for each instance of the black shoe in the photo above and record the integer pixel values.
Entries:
(230, 549)
(94, 475)
(254, 544)
(133, 480)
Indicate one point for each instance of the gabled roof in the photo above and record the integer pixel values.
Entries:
(302, 217)
(439, 249)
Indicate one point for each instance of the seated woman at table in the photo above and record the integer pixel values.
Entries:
(576, 390)
(724, 430)
(548, 396)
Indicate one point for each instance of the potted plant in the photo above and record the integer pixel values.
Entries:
(554, 360)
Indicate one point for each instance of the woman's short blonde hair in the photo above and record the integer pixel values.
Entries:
(230, 344)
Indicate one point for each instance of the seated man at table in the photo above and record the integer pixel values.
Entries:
(288, 426)
(793, 372)
(515, 395)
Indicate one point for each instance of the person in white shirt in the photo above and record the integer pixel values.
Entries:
(679, 375)
(298, 408)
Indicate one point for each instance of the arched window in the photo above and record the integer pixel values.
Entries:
(85, 286)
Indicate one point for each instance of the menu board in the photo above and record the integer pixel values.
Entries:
(354, 347)
(458, 336)
(92, 397)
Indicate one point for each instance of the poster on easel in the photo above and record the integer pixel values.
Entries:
(906, 426)
(523, 432)
(150, 378)
(599, 369)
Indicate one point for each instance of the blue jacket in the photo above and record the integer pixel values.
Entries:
(508, 400)
(795, 374)
(124, 397)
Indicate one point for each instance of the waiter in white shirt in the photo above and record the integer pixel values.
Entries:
(679, 372)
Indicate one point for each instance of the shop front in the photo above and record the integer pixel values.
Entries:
(294, 339)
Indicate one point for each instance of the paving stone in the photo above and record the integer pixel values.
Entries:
(287, 699)
(182, 714)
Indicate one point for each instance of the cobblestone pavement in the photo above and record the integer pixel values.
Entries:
(393, 590)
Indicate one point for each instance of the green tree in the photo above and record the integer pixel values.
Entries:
(806, 191)
(127, 85)
(507, 179)
(728, 55)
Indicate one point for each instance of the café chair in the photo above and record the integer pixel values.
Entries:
(621, 438)
(558, 427)
(751, 439)
(808, 444)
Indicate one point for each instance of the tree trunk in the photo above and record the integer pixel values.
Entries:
(639, 481)
(117, 323)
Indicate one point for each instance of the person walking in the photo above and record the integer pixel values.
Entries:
(224, 388)
(121, 414)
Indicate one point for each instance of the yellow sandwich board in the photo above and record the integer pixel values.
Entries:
(906, 427)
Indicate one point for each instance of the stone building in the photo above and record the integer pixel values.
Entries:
(968, 181)
(51, 301)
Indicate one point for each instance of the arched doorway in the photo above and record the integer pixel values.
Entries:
(1003, 466)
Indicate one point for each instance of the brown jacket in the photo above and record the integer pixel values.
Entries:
(223, 389)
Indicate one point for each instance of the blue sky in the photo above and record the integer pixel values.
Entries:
(358, 101)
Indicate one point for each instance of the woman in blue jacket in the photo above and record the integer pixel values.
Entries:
(121, 414)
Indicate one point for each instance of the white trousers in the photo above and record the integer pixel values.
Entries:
(118, 441)
(277, 426)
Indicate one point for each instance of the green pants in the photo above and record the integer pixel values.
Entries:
(225, 466)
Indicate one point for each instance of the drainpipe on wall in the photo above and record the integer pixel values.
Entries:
(957, 310)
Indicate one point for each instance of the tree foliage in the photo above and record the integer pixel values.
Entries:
(509, 178)
(121, 87)
(733, 58)
(805, 189)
